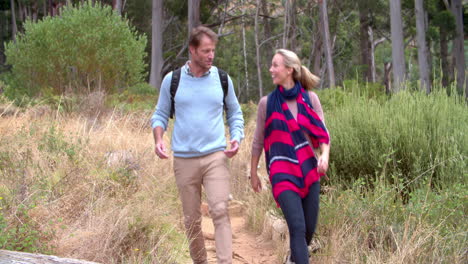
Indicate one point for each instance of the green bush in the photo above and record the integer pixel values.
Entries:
(141, 96)
(88, 47)
(332, 98)
(21, 232)
(377, 224)
(413, 138)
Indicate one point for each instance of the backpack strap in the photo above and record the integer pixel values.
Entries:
(174, 85)
(223, 77)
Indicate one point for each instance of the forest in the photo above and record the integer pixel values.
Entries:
(380, 42)
(79, 80)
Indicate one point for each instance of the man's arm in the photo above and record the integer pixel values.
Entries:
(234, 114)
(234, 119)
(160, 148)
(160, 117)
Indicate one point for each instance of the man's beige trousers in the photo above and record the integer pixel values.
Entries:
(212, 172)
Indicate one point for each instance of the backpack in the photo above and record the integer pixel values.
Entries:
(223, 77)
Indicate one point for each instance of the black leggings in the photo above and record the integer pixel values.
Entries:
(301, 216)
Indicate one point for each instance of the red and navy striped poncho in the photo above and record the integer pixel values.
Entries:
(290, 160)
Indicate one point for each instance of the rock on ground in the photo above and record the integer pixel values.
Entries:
(13, 257)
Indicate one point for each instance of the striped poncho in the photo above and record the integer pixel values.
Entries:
(290, 160)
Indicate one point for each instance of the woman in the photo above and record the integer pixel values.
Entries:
(290, 126)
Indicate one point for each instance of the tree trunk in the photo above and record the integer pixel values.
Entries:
(266, 21)
(51, 9)
(398, 56)
(223, 19)
(372, 54)
(444, 58)
(317, 56)
(373, 47)
(257, 53)
(156, 44)
(326, 41)
(458, 46)
(317, 52)
(193, 14)
(387, 78)
(422, 46)
(285, 24)
(2, 43)
(365, 43)
(44, 8)
(20, 12)
(244, 49)
(289, 36)
(34, 11)
(117, 6)
(268, 49)
(14, 27)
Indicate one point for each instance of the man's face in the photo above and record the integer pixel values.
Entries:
(203, 55)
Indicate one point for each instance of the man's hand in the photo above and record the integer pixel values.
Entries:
(234, 148)
(160, 150)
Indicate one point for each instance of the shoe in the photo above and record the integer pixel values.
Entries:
(288, 259)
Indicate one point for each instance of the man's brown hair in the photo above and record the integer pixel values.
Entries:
(198, 32)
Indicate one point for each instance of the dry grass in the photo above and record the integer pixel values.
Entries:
(87, 205)
(94, 190)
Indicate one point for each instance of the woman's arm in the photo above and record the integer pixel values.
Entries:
(324, 148)
(257, 145)
(323, 158)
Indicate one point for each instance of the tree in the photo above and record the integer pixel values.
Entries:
(87, 48)
(327, 43)
(374, 44)
(458, 46)
(365, 43)
(157, 60)
(421, 26)
(13, 21)
(244, 50)
(193, 14)
(117, 6)
(441, 30)
(290, 25)
(257, 53)
(398, 56)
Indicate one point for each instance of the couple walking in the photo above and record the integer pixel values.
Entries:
(290, 126)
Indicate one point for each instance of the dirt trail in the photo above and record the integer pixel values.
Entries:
(248, 248)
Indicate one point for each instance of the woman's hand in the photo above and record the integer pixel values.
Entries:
(255, 181)
(323, 164)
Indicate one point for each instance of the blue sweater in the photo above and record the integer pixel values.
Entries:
(199, 125)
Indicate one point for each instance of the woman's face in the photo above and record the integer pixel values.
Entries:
(280, 74)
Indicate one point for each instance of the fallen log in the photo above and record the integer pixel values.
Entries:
(14, 257)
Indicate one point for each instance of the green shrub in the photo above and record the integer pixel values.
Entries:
(142, 88)
(20, 233)
(413, 138)
(88, 47)
(358, 224)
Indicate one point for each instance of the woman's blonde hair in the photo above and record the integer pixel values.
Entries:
(300, 73)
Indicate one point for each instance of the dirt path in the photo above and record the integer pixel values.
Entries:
(247, 247)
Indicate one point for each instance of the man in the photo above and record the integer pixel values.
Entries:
(199, 143)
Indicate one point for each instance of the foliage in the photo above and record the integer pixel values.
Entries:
(20, 233)
(361, 225)
(141, 96)
(413, 138)
(55, 175)
(88, 47)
